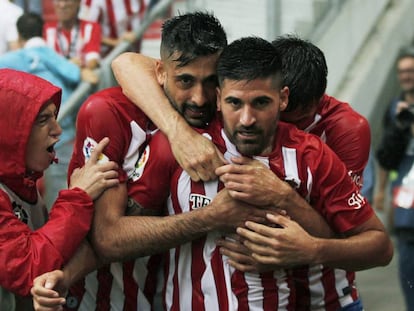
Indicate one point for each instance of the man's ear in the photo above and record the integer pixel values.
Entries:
(160, 71)
(284, 98)
(218, 97)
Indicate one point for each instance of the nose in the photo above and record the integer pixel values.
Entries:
(247, 117)
(55, 129)
(199, 95)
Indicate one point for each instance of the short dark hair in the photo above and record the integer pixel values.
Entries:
(29, 25)
(304, 70)
(406, 51)
(192, 35)
(249, 58)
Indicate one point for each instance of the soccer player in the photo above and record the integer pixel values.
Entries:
(309, 108)
(347, 133)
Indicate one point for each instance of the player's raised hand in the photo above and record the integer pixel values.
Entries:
(97, 174)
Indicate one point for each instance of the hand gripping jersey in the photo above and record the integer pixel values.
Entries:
(108, 113)
(347, 133)
(197, 277)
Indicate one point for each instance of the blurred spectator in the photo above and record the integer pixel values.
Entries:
(34, 6)
(396, 152)
(76, 39)
(37, 58)
(118, 19)
(8, 31)
(369, 179)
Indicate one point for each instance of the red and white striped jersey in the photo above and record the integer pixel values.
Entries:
(118, 286)
(83, 41)
(115, 17)
(196, 275)
(347, 133)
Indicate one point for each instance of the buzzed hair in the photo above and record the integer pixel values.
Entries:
(248, 59)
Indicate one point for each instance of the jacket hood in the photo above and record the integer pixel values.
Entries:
(22, 96)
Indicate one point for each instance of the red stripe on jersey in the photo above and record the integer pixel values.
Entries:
(331, 296)
(351, 279)
(218, 272)
(88, 2)
(301, 283)
(130, 286)
(103, 301)
(175, 305)
(198, 267)
(142, 8)
(270, 291)
(153, 265)
(241, 291)
(112, 20)
(128, 9)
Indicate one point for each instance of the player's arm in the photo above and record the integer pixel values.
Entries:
(136, 75)
(118, 237)
(287, 245)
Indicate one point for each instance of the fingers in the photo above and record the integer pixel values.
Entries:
(194, 175)
(44, 297)
(279, 219)
(97, 151)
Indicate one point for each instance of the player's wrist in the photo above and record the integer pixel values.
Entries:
(175, 127)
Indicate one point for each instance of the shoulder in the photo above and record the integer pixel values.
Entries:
(106, 99)
(342, 120)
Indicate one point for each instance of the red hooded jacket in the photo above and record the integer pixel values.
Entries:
(28, 246)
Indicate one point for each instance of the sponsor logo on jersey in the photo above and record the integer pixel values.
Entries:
(356, 200)
(140, 165)
(89, 144)
(20, 213)
(356, 178)
(198, 200)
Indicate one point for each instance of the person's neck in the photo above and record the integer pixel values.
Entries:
(68, 25)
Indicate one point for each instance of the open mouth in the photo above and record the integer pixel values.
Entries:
(51, 148)
(52, 153)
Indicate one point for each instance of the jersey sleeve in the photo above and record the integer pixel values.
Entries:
(25, 254)
(334, 194)
(97, 119)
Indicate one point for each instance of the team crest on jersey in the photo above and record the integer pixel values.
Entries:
(20, 213)
(140, 165)
(89, 144)
(198, 200)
